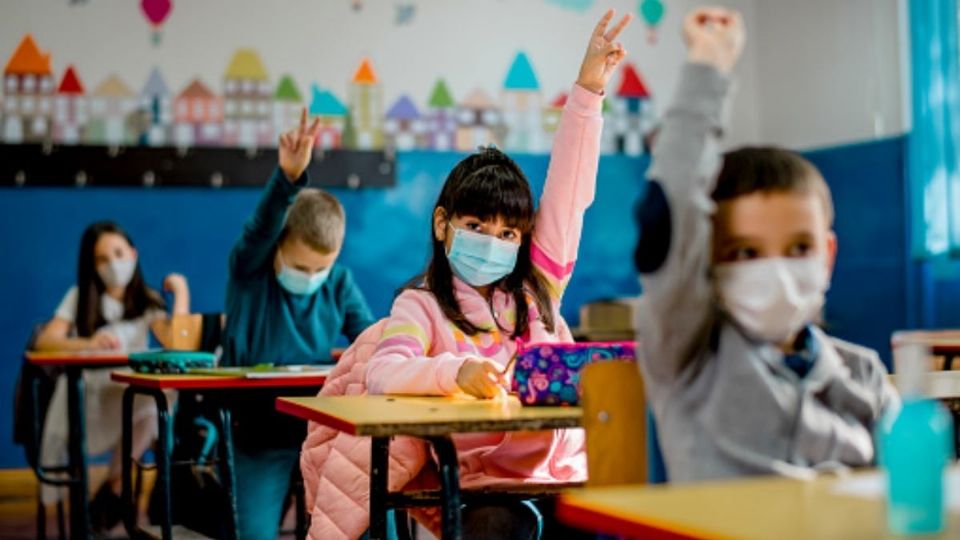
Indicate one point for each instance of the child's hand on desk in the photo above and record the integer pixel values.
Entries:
(296, 146)
(481, 378)
(103, 341)
(715, 37)
(603, 54)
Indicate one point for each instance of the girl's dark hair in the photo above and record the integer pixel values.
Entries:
(488, 185)
(137, 298)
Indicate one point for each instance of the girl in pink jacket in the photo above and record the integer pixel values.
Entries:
(497, 277)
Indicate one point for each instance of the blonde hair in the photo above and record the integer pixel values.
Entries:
(317, 218)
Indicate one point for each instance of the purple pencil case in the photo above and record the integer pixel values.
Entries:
(549, 373)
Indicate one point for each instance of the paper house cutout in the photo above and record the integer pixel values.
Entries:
(28, 88)
(333, 118)
(404, 128)
(70, 112)
(247, 101)
(198, 116)
(156, 103)
(365, 130)
(113, 107)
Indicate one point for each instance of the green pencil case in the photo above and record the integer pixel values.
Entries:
(169, 361)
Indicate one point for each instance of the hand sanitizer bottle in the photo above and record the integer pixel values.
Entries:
(915, 443)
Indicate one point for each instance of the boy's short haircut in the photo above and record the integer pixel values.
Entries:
(770, 170)
(316, 218)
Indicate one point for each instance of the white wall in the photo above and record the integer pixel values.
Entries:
(469, 42)
(829, 71)
(815, 72)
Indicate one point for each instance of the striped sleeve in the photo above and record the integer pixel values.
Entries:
(569, 189)
(403, 363)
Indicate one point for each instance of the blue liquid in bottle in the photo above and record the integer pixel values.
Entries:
(915, 446)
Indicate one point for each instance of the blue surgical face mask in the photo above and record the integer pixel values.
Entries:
(481, 259)
(299, 282)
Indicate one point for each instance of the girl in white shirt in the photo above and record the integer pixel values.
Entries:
(109, 308)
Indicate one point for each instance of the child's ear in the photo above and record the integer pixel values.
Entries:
(440, 225)
(831, 250)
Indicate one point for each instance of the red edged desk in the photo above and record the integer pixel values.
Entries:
(434, 419)
(73, 363)
(748, 509)
(153, 385)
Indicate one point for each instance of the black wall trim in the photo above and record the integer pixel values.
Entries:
(36, 165)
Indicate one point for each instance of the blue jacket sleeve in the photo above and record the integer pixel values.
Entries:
(253, 250)
(357, 315)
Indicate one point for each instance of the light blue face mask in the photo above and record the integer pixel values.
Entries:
(298, 282)
(480, 259)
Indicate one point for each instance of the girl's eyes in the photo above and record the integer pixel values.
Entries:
(508, 235)
(799, 250)
(744, 253)
(474, 226)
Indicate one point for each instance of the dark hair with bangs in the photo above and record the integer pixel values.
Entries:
(768, 169)
(137, 296)
(488, 185)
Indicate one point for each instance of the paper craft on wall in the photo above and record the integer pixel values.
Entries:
(244, 108)
(652, 12)
(156, 13)
(405, 12)
(579, 6)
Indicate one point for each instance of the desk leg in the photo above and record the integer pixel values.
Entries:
(76, 414)
(162, 454)
(227, 474)
(379, 469)
(126, 464)
(451, 523)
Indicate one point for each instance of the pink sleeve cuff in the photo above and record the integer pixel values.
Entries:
(585, 102)
(447, 373)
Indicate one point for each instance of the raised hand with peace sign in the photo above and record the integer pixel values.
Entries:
(296, 146)
(604, 53)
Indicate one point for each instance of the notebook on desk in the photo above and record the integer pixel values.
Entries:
(265, 371)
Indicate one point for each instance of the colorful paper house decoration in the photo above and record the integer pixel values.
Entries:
(629, 112)
(333, 118)
(247, 100)
(113, 106)
(404, 128)
(441, 120)
(287, 104)
(522, 107)
(70, 111)
(478, 119)
(552, 113)
(198, 116)
(366, 108)
(156, 102)
(29, 90)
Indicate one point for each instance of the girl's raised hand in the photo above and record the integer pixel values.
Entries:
(604, 53)
(296, 147)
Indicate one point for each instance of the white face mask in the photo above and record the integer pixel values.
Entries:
(118, 272)
(771, 299)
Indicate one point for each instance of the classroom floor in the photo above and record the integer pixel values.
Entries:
(18, 503)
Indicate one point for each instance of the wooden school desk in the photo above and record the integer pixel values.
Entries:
(751, 509)
(77, 481)
(945, 343)
(434, 419)
(154, 385)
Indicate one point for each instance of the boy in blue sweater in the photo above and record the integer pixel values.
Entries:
(287, 302)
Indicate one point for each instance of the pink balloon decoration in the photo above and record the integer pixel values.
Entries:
(156, 11)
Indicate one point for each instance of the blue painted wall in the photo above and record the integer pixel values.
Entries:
(191, 231)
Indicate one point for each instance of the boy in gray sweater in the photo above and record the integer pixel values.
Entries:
(735, 257)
